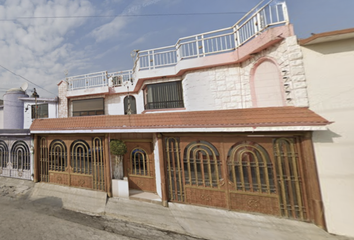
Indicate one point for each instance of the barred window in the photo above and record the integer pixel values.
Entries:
(139, 162)
(39, 111)
(164, 95)
(250, 168)
(202, 165)
(57, 156)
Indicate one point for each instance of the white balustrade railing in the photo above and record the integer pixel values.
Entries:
(90, 80)
(260, 18)
(99, 79)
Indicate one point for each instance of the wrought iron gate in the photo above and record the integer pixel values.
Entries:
(139, 166)
(17, 162)
(83, 166)
(247, 176)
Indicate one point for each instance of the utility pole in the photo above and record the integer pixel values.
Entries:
(35, 95)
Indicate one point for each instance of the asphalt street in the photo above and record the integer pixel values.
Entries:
(46, 219)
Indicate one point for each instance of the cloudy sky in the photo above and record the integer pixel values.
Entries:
(40, 40)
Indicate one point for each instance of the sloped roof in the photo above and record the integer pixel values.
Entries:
(251, 117)
(328, 36)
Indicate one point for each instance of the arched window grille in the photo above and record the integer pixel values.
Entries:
(139, 162)
(81, 157)
(202, 166)
(57, 156)
(129, 105)
(250, 168)
(21, 158)
(4, 154)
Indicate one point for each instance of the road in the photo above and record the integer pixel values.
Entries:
(45, 219)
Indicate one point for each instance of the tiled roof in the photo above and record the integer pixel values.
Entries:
(251, 117)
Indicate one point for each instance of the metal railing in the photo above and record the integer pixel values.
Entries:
(98, 79)
(260, 18)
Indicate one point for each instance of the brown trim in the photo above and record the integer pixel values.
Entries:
(325, 34)
(315, 203)
(107, 167)
(163, 110)
(35, 156)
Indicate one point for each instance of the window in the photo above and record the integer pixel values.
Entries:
(88, 107)
(164, 95)
(129, 103)
(139, 162)
(42, 111)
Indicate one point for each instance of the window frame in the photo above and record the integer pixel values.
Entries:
(157, 91)
(88, 112)
(33, 110)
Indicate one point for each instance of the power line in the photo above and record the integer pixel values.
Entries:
(126, 15)
(26, 79)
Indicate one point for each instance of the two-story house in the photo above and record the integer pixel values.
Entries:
(219, 119)
(16, 145)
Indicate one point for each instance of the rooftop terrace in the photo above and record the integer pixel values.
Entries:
(263, 16)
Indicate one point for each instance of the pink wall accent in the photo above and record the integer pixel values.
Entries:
(272, 87)
(259, 43)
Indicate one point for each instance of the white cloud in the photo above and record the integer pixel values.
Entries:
(37, 48)
(114, 28)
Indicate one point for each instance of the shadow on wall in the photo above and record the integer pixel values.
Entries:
(342, 46)
(325, 136)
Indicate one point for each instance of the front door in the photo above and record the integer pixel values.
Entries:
(139, 166)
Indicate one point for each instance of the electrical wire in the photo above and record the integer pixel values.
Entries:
(124, 15)
(26, 79)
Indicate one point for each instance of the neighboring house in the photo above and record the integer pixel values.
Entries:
(16, 145)
(1, 114)
(220, 119)
(328, 59)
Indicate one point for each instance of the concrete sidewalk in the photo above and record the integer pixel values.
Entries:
(210, 223)
(201, 222)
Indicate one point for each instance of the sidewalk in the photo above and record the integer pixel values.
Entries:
(201, 222)
(210, 223)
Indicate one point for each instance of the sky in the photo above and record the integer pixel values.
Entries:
(42, 40)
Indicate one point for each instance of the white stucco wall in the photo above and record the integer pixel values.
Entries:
(27, 121)
(329, 72)
(157, 167)
(1, 118)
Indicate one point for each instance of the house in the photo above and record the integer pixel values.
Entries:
(328, 59)
(16, 145)
(219, 119)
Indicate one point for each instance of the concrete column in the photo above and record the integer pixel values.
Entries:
(164, 184)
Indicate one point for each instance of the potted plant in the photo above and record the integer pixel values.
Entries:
(118, 149)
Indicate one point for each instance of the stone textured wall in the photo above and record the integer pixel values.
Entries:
(228, 87)
(63, 101)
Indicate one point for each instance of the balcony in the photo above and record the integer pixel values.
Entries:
(261, 18)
